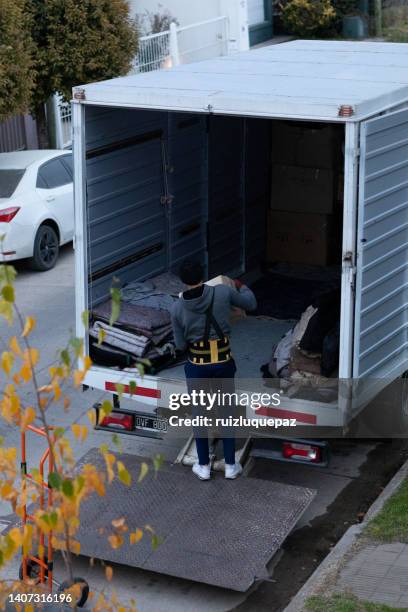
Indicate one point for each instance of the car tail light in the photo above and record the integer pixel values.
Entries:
(7, 214)
(304, 452)
(116, 419)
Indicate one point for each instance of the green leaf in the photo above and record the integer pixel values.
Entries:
(140, 369)
(144, 468)
(7, 274)
(117, 441)
(156, 541)
(68, 488)
(8, 293)
(59, 432)
(53, 518)
(101, 335)
(77, 345)
(132, 387)
(85, 318)
(119, 389)
(54, 480)
(124, 475)
(105, 409)
(65, 357)
(115, 295)
(81, 482)
(158, 461)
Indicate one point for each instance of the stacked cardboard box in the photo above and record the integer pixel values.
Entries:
(306, 162)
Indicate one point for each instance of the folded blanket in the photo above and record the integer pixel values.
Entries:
(121, 339)
(140, 318)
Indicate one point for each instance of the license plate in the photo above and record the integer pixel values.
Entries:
(151, 422)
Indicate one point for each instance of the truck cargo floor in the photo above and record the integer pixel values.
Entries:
(219, 532)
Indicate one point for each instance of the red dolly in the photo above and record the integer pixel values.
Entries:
(40, 567)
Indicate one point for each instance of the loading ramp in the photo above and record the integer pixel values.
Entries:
(220, 532)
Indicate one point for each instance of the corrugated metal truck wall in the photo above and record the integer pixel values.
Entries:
(146, 192)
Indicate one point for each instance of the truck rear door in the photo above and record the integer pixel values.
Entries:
(381, 318)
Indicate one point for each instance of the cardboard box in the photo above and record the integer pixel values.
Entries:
(312, 145)
(236, 313)
(301, 238)
(297, 189)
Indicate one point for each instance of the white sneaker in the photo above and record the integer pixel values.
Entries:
(232, 471)
(202, 471)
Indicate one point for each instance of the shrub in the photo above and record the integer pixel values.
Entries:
(308, 17)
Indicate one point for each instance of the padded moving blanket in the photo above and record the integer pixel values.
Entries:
(121, 339)
(150, 322)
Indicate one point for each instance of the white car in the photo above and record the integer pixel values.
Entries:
(36, 206)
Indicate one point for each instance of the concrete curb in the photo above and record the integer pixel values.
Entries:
(336, 557)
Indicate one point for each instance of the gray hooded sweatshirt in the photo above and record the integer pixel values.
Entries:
(188, 315)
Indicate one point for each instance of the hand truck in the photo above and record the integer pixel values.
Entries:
(41, 568)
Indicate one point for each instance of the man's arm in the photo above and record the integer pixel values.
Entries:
(178, 333)
(243, 298)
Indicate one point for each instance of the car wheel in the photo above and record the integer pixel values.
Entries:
(46, 248)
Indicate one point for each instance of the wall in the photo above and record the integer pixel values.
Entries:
(18, 133)
(192, 11)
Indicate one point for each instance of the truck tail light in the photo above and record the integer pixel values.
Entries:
(118, 419)
(7, 214)
(303, 452)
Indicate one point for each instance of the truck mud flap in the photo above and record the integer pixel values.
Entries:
(219, 532)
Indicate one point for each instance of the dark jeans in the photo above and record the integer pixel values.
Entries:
(211, 378)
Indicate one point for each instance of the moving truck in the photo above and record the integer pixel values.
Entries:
(214, 160)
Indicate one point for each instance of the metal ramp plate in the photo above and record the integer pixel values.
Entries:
(219, 532)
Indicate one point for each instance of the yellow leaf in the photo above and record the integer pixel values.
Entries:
(67, 402)
(124, 475)
(110, 462)
(136, 536)
(34, 356)
(92, 417)
(108, 572)
(87, 362)
(15, 347)
(7, 360)
(29, 326)
(28, 417)
(144, 468)
(78, 377)
(76, 429)
(115, 540)
(57, 391)
(84, 433)
(25, 372)
(16, 379)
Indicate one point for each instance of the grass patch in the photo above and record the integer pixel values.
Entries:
(391, 524)
(345, 603)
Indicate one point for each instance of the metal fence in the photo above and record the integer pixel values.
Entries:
(62, 113)
(154, 52)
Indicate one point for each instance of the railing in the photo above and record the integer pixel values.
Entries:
(62, 112)
(153, 52)
(204, 40)
(191, 43)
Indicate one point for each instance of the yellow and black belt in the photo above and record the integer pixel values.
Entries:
(210, 350)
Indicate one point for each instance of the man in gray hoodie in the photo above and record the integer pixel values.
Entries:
(201, 324)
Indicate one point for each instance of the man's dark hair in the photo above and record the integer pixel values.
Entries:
(191, 272)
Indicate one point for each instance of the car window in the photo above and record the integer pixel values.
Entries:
(9, 180)
(53, 174)
(67, 161)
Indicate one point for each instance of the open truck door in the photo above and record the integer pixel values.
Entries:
(380, 335)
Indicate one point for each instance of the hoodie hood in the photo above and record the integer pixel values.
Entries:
(199, 304)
